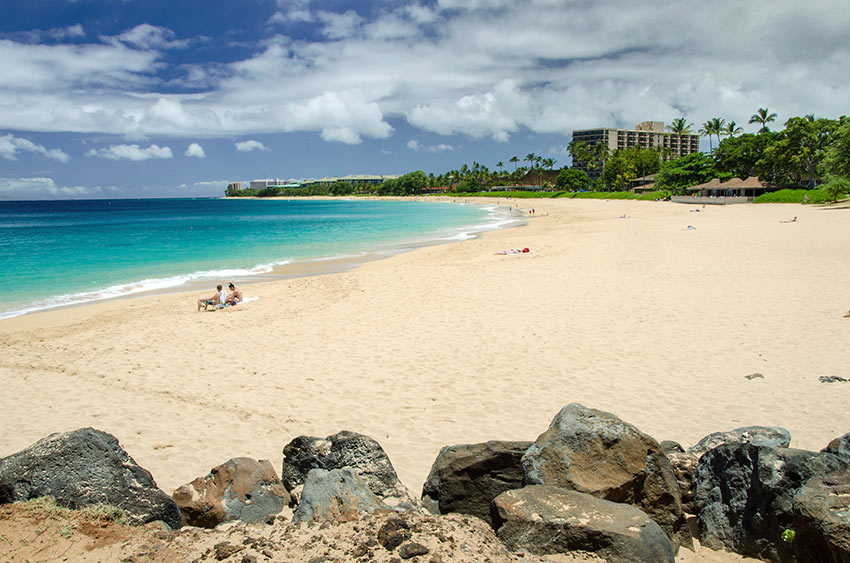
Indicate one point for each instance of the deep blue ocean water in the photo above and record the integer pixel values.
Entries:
(56, 253)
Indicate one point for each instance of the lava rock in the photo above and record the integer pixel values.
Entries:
(82, 468)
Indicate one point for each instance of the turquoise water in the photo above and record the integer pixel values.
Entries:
(57, 253)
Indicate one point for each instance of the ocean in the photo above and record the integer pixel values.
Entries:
(60, 253)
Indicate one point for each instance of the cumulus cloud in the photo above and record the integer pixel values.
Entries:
(440, 65)
(131, 152)
(11, 145)
(32, 188)
(250, 145)
(196, 151)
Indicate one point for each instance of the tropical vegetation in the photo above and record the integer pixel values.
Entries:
(809, 152)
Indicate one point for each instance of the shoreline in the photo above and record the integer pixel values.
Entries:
(638, 316)
(311, 266)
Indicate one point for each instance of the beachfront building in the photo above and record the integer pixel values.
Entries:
(266, 183)
(234, 187)
(371, 179)
(735, 190)
(647, 135)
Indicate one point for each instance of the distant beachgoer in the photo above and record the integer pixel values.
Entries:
(235, 296)
(794, 220)
(846, 315)
(218, 298)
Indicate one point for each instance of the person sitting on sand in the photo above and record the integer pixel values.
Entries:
(218, 298)
(235, 296)
(846, 315)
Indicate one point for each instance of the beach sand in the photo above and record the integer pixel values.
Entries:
(639, 316)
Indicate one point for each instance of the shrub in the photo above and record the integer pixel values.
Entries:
(794, 196)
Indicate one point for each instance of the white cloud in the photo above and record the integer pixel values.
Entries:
(484, 68)
(131, 152)
(11, 145)
(72, 31)
(39, 187)
(250, 145)
(196, 151)
(415, 145)
(146, 36)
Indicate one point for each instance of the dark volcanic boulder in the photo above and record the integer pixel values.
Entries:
(770, 436)
(595, 452)
(840, 447)
(344, 450)
(82, 468)
(466, 478)
(241, 489)
(546, 520)
(822, 519)
(744, 496)
(339, 495)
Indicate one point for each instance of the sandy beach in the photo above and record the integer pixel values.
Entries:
(620, 307)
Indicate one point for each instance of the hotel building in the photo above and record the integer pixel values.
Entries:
(647, 135)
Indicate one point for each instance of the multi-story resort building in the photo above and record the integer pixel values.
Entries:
(263, 184)
(647, 135)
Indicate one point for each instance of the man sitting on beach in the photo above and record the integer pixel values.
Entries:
(235, 295)
(218, 299)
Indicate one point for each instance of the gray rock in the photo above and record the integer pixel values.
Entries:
(344, 450)
(466, 478)
(822, 519)
(669, 446)
(744, 496)
(546, 520)
(840, 447)
(595, 452)
(82, 468)
(770, 436)
(241, 489)
(338, 495)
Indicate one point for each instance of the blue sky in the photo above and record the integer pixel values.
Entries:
(114, 98)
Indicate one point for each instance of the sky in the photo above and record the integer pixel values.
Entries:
(133, 98)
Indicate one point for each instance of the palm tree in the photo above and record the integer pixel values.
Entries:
(732, 129)
(764, 117)
(500, 165)
(713, 126)
(707, 130)
(679, 127)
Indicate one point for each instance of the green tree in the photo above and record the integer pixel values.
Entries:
(590, 157)
(743, 156)
(690, 170)
(625, 165)
(711, 127)
(572, 180)
(764, 117)
(800, 149)
(837, 158)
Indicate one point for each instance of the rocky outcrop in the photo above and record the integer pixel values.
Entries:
(240, 489)
(86, 467)
(466, 478)
(546, 520)
(595, 452)
(349, 450)
(822, 519)
(840, 447)
(770, 436)
(338, 495)
(744, 496)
